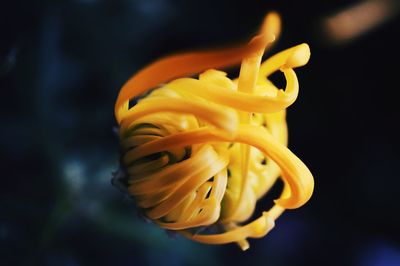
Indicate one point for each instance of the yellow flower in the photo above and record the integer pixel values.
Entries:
(201, 152)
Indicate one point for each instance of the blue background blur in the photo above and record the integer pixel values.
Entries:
(62, 64)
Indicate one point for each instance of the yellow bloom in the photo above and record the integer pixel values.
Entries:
(200, 152)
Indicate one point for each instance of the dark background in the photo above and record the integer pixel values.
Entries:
(62, 65)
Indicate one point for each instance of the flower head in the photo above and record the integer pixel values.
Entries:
(201, 151)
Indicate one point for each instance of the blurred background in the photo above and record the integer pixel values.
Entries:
(62, 64)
